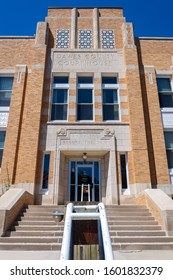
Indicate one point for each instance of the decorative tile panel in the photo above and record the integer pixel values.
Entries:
(108, 41)
(62, 38)
(85, 39)
(3, 119)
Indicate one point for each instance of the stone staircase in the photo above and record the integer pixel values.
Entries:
(35, 230)
(132, 227)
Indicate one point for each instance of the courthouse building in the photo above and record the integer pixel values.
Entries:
(86, 109)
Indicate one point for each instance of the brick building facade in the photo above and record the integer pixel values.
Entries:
(86, 109)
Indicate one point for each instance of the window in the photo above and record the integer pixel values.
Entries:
(165, 92)
(62, 38)
(60, 99)
(2, 140)
(124, 173)
(107, 39)
(169, 147)
(85, 99)
(85, 39)
(110, 99)
(46, 164)
(6, 84)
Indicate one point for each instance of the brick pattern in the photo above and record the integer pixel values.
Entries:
(30, 103)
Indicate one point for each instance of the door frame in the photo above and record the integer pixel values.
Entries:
(77, 165)
(76, 176)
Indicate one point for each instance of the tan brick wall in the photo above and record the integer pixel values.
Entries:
(21, 147)
(138, 164)
(157, 54)
(12, 141)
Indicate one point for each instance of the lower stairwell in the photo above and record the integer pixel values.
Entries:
(34, 230)
(131, 227)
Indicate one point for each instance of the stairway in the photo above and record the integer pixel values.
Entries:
(132, 227)
(34, 230)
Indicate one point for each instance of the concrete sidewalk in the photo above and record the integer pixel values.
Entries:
(118, 255)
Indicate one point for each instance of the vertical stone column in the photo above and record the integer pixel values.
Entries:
(111, 180)
(97, 97)
(73, 28)
(72, 98)
(96, 28)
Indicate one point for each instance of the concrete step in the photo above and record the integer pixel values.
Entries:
(141, 239)
(35, 233)
(138, 233)
(143, 246)
(127, 214)
(30, 247)
(132, 218)
(36, 218)
(37, 228)
(126, 206)
(129, 222)
(39, 223)
(134, 227)
(27, 240)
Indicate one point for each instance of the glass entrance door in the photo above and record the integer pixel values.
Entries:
(84, 181)
(84, 186)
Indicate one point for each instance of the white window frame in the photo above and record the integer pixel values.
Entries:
(85, 86)
(166, 109)
(60, 86)
(111, 86)
(6, 108)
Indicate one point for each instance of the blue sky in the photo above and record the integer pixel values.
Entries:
(150, 17)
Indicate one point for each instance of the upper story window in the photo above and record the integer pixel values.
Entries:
(60, 99)
(85, 39)
(110, 99)
(165, 92)
(62, 38)
(85, 99)
(2, 140)
(107, 37)
(6, 84)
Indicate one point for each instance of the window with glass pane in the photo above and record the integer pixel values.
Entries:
(85, 99)
(2, 140)
(60, 99)
(169, 147)
(110, 99)
(165, 92)
(6, 84)
(45, 180)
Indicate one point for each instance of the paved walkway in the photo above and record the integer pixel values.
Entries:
(118, 255)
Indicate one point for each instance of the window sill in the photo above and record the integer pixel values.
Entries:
(166, 109)
(44, 192)
(88, 123)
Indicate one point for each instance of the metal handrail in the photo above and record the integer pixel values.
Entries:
(99, 214)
